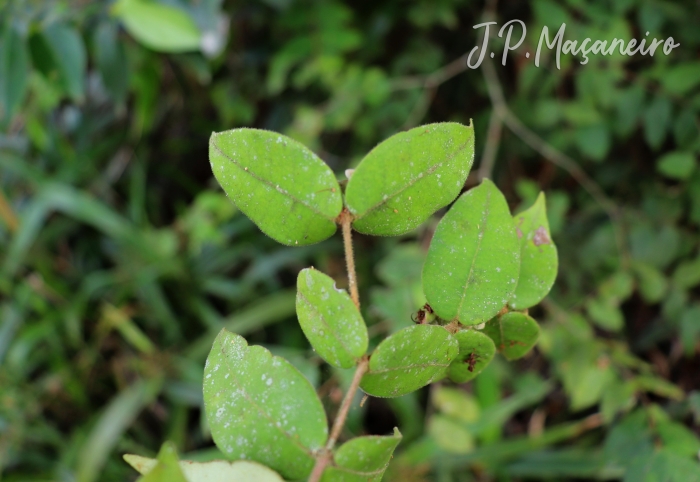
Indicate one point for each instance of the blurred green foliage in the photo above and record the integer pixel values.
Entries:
(120, 260)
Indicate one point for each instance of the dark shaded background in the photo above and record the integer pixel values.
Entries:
(120, 257)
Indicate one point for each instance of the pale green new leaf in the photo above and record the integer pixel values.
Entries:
(158, 26)
(166, 468)
(514, 334)
(538, 256)
(362, 459)
(283, 187)
(260, 407)
(329, 319)
(474, 258)
(408, 177)
(214, 471)
(476, 351)
(408, 360)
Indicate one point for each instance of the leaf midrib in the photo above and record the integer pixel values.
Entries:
(273, 186)
(407, 367)
(272, 422)
(427, 173)
(481, 230)
(325, 323)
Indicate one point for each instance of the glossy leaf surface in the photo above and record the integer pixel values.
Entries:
(282, 186)
(408, 177)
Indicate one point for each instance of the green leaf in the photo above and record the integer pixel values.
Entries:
(605, 313)
(676, 165)
(476, 350)
(687, 274)
(408, 360)
(456, 403)
(513, 333)
(408, 177)
(166, 468)
(330, 320)
(538, 256)
(157, 26)
(402, 266)
(111, 62)
(214, 471)
(681, 78)
(67, 56)
(450, 435)
(362, 459)
(14, 70)
(657, 118)
(474, 258)
(652, 283)
(261, 408)
(286, 190)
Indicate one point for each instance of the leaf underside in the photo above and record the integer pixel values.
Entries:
(214, 471)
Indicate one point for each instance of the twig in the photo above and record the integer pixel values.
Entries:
(345, 219)
(327, 453)
(7, 214)
(493, 139)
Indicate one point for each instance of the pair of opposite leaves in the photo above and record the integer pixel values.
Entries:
(476, 263)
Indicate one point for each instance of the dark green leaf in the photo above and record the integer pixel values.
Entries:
(329, 319)
(513, 333)
(476, 350)
(261, 408)
(681, 78)
(68, 57)
(157, 26)
(538, 256)
(408, 360)
(14, 70)
(676, 165)
(362, 459)
(111, 60)
(408, 177)
(474, 258)
(286, 190)
(657, 118)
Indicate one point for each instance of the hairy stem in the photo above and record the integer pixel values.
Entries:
(327, 453)
(345, 219)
